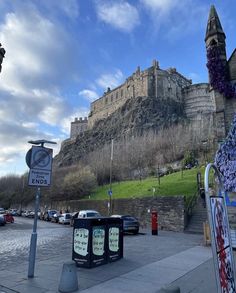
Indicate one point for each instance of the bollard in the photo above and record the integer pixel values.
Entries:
(170, 290)
(69, 280)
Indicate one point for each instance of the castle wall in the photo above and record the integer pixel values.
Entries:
(78, 126)
(198, 100)
(150, 82)
(232, 66)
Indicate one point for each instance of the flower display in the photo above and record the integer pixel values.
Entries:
(218, 73)
(225, 159)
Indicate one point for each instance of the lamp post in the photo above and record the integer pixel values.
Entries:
(110, 187)
(2, 55)
(38, 160)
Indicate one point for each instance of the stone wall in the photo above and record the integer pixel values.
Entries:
(171, 210)
(232, 66)
(78, 126)
(198, 100)
(152, 82)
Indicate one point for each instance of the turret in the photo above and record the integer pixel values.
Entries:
(215, 35)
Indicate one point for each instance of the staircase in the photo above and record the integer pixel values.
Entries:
(199, 215)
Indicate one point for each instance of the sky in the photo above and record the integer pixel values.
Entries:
(63, 54)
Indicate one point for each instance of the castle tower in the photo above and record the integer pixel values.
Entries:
(215, 42)
(215, 35)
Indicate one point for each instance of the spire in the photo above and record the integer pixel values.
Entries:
(213, 25)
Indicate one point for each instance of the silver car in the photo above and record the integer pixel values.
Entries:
(64, 218)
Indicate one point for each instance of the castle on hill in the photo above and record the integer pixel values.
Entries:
(203, 102)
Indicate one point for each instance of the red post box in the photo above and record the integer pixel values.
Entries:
(154, 223)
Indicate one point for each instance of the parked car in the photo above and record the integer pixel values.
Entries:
(2, 220)
(8, 218)
(2, 210)
(84, 214)
(64, 218)
(130, 224)
(55, 217)
(49, 214)
(13, 212)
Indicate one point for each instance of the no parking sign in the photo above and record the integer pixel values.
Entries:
(39, 160)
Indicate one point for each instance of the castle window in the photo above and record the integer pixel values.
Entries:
(111, 98)
(116, 95)
(121, 93)
(213, 42)
(106, 100)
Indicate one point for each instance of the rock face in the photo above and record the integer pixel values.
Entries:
(134, 118)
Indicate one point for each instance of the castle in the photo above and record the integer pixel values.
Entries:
(202, 102)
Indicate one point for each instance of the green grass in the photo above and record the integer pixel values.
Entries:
(173, 184)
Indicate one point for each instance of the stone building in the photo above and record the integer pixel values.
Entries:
(202, 102)
(78, 126)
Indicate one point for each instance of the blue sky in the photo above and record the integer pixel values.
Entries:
(63, 54)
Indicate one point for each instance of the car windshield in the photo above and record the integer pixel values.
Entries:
(129, 218)
(92, 214)
(68, 216)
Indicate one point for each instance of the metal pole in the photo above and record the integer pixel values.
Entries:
(33, 241)
(110, 193)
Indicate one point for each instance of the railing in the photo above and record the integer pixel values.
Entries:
(191, 204)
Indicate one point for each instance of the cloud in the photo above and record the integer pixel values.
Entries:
(160, 6)
(119, 14)
(90, 95)
(176, 18)
(110, 80)
(34, 70)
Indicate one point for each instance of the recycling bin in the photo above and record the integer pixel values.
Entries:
(89, 242)
(97, 241)
(114, 239)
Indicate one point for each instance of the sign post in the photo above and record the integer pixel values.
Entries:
(220, 233)
(39, 160)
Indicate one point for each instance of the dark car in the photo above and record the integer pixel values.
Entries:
(2, 220)
(130, 224)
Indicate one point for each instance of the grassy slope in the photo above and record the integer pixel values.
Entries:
(173, 184)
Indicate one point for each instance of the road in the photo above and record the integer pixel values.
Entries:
(15, 240)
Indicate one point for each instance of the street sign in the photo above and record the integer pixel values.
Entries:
(39, 159)
(110, 192)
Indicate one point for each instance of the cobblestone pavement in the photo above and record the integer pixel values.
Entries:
(15, 240)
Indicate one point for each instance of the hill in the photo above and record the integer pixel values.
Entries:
(134, 118)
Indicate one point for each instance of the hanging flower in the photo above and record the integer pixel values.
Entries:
(218, 74)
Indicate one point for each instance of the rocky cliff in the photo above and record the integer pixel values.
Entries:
(134, 118)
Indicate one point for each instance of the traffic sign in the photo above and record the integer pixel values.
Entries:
(39, 159)
(110, 192)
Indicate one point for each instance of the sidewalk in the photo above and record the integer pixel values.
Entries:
(149, 263)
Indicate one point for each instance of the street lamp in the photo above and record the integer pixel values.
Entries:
(39, 161)
(110, 188)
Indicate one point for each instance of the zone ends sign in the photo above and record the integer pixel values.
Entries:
(39, 160)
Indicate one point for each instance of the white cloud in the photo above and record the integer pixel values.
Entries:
(111, 80)
(119, 14)
(161, 6)
(33, 71)
(89, 95)
(177, 18)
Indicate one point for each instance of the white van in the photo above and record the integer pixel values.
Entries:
(88, 214)
(84, 214)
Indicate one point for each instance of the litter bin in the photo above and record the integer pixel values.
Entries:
(97, 241)
(89, 242)
(114, 239)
